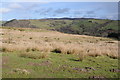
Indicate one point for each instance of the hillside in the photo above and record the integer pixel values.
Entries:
(81, 26)
(40, 53)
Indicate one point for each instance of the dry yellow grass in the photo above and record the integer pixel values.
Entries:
(47, 41)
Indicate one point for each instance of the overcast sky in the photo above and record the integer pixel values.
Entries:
(38, 10)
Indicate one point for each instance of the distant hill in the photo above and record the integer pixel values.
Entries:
(81, 26)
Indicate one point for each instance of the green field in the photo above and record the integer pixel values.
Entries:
(57, 66)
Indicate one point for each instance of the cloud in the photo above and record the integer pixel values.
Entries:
(77, 12)
(31, 7)
(10, 8)
(44, 11)
(48, 11)
(51, 12)
(83, 13)
(87, 15)
(90, 12)
(112, 16)
(15, 5)
(60, 11)
(93, 11)
(4, 10)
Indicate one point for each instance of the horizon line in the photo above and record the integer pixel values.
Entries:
(61, 18)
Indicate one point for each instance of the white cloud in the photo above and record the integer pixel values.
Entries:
(4, 10)
(15, 5)
(10, 8)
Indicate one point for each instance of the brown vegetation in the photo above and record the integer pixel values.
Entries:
(34, 55)
(58, 42)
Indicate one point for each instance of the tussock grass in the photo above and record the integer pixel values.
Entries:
(4, 49)
(67, 48)
(81, 56)
(79, 44)
(7, 49)
(59, 48)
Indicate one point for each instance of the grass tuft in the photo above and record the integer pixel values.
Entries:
(81, 56)
(4, 49)
(57, 50)
(30, 38)
(34, 55)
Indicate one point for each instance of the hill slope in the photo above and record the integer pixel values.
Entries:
(38, 53)
(81, 26)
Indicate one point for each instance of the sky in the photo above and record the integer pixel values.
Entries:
(39, 10)
(60, 0)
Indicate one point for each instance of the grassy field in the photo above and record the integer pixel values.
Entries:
(39, 53)
(57, 66)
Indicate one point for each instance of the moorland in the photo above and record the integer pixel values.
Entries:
(60, 48)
